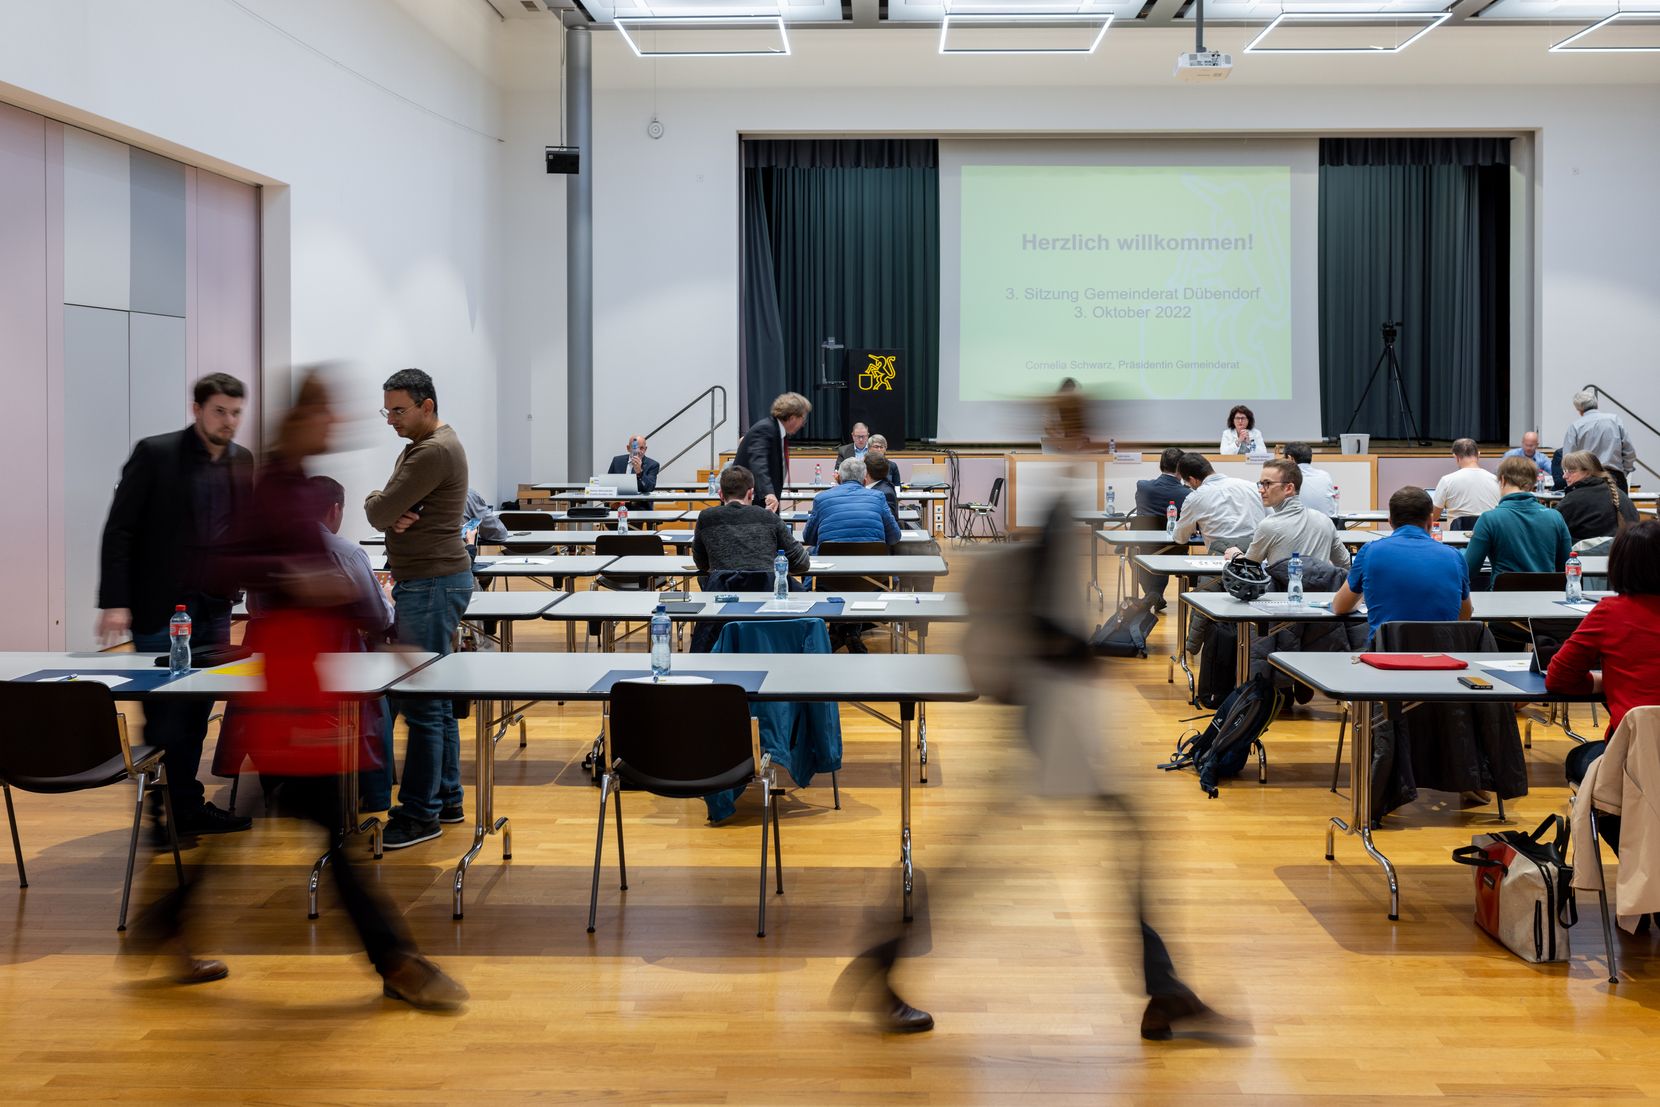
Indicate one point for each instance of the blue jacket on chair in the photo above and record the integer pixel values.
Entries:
(805, 738)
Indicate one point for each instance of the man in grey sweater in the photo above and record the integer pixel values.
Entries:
(738, 537)
(420, 512)
(1289, 526)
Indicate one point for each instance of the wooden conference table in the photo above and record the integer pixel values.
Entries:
(905, 679)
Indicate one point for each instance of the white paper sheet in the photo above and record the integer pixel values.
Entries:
(868, 605)
(787, 605)
(97, 678)
(820, 566)
(1520, 665)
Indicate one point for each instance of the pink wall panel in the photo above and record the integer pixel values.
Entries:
(222, 286)
(25, 578)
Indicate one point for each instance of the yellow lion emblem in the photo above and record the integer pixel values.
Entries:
(879, 374)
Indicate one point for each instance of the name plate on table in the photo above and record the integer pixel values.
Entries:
(1206, 562)
(593, 489)
(1260, 455)
(1286, 607)
(1127, 457)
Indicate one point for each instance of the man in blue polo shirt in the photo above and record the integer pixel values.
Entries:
(1408, 576)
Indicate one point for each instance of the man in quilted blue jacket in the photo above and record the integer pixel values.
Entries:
(851, 512)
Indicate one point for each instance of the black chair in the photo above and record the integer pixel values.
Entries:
(647, 748)
(1463, 522)
(1530, 582)
(1153, 584)
(66, 736)
(627, 544)
(984, 513)
(847, 583)
(529, 532)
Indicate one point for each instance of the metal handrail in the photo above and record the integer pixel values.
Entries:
(714, 424)
(1604, 394)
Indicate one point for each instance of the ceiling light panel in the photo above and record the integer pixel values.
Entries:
(935, 11)
(1344, 32)
(986, 33)
(1620, 33)
(706, 36)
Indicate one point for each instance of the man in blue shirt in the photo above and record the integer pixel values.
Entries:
(850, 512)
(1409, 576)
(1521, 535)
(1530, 450)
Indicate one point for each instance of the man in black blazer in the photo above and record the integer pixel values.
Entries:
(857, 447)
(178, 494)
(764, 450)
(635, 461)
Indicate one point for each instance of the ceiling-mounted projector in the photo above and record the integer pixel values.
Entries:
(1203, 65)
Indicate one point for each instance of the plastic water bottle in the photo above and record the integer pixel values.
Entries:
(1112, 501)
(622, 518)
(1540, 484)
(659, 643)
(714, 483)
(1576, 591)
(1170, 514)
(1435, 530)
(1294, 579)
(818, 474)
(780, 577)
(1337, 497)
(1112, 447)
(178, 642)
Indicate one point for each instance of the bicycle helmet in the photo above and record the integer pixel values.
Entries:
(1245, 580)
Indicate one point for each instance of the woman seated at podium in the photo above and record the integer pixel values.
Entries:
(1241, 435)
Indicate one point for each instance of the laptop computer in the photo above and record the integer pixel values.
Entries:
(1548, 636)
(626, 484)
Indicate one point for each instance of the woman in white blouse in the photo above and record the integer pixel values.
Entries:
(1242, 437)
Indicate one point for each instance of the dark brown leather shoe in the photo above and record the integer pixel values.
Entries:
(901, 1018)
(420, 983)
(196, 970)
(1164, 1012)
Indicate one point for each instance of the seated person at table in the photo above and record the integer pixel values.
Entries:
(740, 538)
(1226, 510)
(1241, 435)
(1616, 650)
(1154, 497)
(635, 461)
(479, 522)
(857, 447)
(1408, 576)
(1467, 491)
(1319, 490)
(1530, 450)
(1593, 506)
(1520, 535)
(878, 470)
(851, 512)
(879, 442)
(1289, 527)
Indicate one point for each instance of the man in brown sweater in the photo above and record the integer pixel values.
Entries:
(420, 512)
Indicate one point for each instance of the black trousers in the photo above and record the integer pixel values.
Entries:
(180, 729)
(319, 799)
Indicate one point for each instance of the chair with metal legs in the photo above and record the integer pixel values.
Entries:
(683, 741)
(66, 736)
(984, 513)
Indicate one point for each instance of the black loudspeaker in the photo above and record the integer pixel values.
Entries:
(564, 159)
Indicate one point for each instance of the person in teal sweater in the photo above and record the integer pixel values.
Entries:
(1520, 535)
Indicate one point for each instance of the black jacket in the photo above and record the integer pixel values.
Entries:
(762, 453)
(150, 557)
(648, 471)
(1153, 497)
(891, 494)
(1588, 509)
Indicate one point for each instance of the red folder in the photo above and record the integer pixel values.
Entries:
(1413, 661)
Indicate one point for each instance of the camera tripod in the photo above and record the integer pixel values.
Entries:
(1390, 332)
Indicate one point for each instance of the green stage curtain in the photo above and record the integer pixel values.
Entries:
(1416, 230)
(840, 237)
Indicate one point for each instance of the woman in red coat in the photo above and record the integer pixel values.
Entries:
(1616, 650)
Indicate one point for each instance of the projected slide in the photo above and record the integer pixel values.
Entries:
(1141, 282)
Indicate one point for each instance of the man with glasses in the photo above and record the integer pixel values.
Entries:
(857, 447)
(420, 512)
(1289, 527)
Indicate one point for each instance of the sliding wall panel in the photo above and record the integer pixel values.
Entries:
(97, 220)
(158, 390)
(157, 215)
(95, 360)
(24, 448)
(224, 321)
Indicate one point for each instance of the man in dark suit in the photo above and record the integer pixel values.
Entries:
(177, 496)
(765, 451)
(1154, 497)
(635, 461)
(877, 468)
(857, 447)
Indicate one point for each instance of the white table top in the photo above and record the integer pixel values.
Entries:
(1339, 676)
(923, 565)
(1184, 565)
(542, 565)
(905, 607)
(1136, 538)
(347, 674)
(512, 605)
(822, 677)
(1487, 607)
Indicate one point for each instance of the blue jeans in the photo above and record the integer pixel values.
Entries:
(428, 611)
(181, 728)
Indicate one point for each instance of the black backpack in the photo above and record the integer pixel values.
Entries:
(1221, 750)
(1125, 632)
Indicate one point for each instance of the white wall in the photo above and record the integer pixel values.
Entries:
(666, 253)
(378, 136)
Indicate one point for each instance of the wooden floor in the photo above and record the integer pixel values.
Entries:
(1029, 960)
